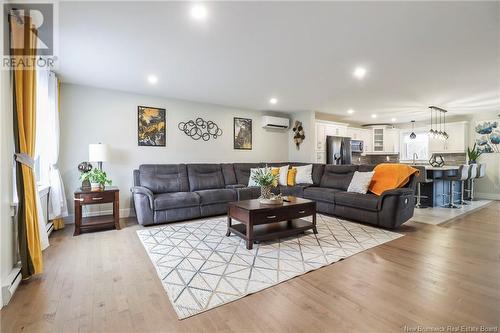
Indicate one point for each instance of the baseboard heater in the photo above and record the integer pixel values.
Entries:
(11, 285)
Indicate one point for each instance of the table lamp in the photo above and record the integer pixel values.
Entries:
(98, 152)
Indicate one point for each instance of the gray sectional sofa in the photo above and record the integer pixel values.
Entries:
(174, 192)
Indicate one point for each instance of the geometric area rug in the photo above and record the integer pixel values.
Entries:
(200, 268)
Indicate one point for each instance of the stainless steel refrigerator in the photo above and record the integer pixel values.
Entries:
(338, 150)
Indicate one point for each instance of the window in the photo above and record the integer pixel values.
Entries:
(418, 146)
(45, 99)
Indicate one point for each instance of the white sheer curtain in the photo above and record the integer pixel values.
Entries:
(42, 106)
(57, 198)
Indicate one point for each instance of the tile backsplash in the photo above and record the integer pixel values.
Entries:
(374, 159)
(454, 158)
(449, 158)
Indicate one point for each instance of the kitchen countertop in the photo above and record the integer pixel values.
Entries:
(432, 168)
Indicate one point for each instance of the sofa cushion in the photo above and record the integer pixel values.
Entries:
(164, 178)
(296, 191)
(357, 200)
(208, 197)
(242, 171)
(228, 174)
(205, 176)
(338, 176)
(320, 194)
(175, 200)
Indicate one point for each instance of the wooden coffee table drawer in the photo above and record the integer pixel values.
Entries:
(282, 214)
(305, 210)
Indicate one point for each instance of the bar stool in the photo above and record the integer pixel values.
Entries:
(461, 176)
(473, 173)
(421, 178)
(481, 172)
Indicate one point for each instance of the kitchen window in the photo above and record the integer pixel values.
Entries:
(418, 146)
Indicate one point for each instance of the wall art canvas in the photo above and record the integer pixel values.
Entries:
(152, 125)
(242, 133)
(488, 136)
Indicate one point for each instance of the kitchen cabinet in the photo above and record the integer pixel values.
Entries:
(384, 140)
(362, 134)
(324, 129)
(457, 140)
(391, 140)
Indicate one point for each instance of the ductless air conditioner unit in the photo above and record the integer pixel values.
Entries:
(275, 122)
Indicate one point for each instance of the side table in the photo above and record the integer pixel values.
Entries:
(110, 194)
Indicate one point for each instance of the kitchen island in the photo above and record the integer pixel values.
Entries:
(436, 190)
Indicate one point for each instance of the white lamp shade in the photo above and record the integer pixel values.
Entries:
(98, 152)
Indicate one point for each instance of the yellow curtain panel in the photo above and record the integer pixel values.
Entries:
(24, 79)
(59, 222)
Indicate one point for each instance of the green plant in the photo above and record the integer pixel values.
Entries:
(96, 176)
(473, 154)
(264, 177)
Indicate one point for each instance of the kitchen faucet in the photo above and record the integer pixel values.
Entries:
(415, 157)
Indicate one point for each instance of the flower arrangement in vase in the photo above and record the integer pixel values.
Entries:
(267, 180)
(97, 178)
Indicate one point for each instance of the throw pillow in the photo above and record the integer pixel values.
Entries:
(290, 180)
(304, 174)
(360, 182)
(252, 182)
(283, 175)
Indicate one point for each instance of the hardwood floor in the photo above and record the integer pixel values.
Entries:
(434, 276)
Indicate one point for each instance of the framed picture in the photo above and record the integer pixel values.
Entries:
(488, 136)
(242, 133)
(151, 126)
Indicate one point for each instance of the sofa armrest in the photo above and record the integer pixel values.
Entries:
(144, 191)
(397, 191)
(396, 207)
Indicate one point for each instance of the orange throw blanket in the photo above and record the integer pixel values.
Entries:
(389, 176)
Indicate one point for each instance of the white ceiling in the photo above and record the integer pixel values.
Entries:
(417, 54)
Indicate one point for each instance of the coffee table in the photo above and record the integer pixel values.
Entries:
(261, 222)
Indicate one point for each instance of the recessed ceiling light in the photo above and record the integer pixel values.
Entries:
(393, 120)
(359, 72)
(199, 12)
(273, 100)
(152, 79)
(350, 111)
(374, 116)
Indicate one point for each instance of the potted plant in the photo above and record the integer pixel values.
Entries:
(97, 178)
(473, 154)
(266, 180)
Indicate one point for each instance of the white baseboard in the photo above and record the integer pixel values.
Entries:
(124, 212)
(11, 284)
(487, 196)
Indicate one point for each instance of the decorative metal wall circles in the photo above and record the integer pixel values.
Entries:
(200, 129)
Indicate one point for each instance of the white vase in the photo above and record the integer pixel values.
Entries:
(94, 187)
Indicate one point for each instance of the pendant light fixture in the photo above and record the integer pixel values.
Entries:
(445, 135)
(440, 133)
(432, 133)
(413, 136)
